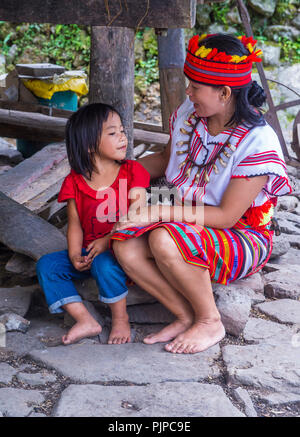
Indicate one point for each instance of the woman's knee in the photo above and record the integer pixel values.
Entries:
(130, 252)
(163, 246)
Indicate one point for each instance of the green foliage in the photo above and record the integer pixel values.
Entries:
(285, 11)
(290, 50)
(60, 44)
(219, 12)
(148, 68)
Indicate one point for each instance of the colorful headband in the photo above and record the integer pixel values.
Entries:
(209, 66)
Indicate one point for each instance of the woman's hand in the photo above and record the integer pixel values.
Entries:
(146, 216)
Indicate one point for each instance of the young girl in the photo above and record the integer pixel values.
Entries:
(98, 192)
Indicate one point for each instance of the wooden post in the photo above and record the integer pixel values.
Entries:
(171, 56)
(112, 73)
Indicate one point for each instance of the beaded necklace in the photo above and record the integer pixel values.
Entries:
(189, 158)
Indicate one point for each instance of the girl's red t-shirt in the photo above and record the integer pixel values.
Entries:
(98, 210)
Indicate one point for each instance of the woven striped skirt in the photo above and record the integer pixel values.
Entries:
(229, 254)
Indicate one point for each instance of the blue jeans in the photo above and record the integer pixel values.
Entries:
(56, 273)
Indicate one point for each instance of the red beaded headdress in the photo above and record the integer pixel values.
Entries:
(209, 66)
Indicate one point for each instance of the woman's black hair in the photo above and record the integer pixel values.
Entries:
(248, 98)
(83, 131)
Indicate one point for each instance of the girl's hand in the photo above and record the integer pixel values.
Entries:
(96, 247)
(80, 262)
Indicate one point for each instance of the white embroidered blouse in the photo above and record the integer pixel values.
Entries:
(258, 152)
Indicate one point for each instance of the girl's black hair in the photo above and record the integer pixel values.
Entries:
(248, 98)
(83, 131)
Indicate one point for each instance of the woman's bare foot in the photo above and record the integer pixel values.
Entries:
(82, 329)
(120, 332)
(199, 337)
(169, 332)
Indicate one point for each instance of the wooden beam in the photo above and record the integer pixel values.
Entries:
(33, 107)
(24, 232)
(171, 56)
(129, 13)
(39, 127)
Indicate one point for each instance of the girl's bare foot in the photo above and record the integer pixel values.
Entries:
(199, 337)
(120, 332)
(169, 332)
(82, 329)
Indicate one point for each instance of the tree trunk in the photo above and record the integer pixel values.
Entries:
(112, 73)
(171, 56)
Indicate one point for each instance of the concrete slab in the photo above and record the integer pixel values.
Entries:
(169, 399)
(133, 362)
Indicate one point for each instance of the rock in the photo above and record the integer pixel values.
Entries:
(137, 295)
(219, 28)
(16, 402)
(154, 364)
(280, 398)
(155, 400)
(296, 21)
(255, 282)
(273, 367)
(34, 379)
(275, 31)
(243, 397)
(233, 16)
(14, 322)
(4, 168)
(287, 203)
(202, 14)
(281, 246)
(24, 232)
(294, 240)
(263, 7)
(283, 283)
(234, 306)
(289, 216)
(291, 72)
(21, 265)
(87, 289)
(293, 255)
(271, 53)
(16, 299)
(284, 310)
(10, 156)
(288, 227)
(139, 52)
(265, 331)
(7, 373)
(149, 313)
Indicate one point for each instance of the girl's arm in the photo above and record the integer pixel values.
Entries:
(156, 163)
(75, 238)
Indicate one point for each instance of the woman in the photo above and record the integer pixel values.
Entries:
(222, 153)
